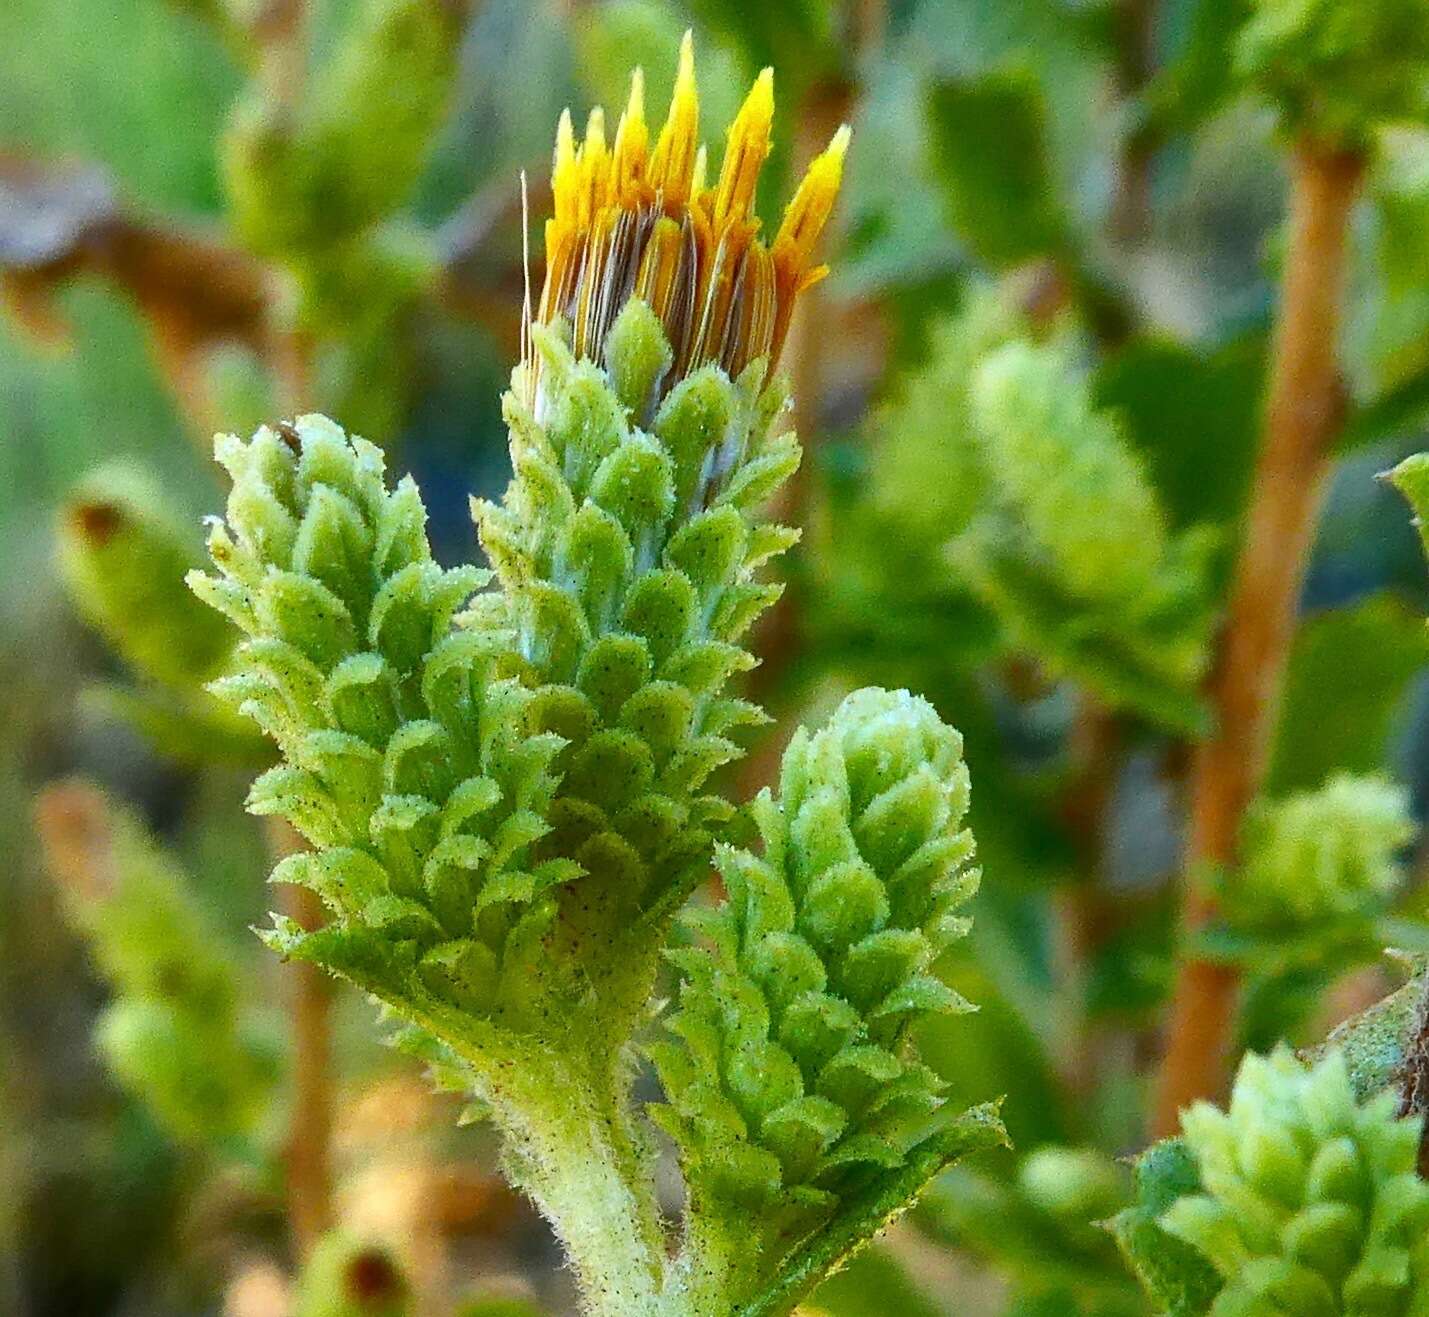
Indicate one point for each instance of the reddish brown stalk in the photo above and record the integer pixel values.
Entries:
(1131, 197)
(308, 1148)
(1086, 914)
(1304, 411)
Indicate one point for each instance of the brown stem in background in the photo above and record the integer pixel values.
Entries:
(1086, 915)
(308, 1148)
(1305, 408)
(1135, 64)
(309, 1143)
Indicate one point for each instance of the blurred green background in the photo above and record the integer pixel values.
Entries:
(1092, 151)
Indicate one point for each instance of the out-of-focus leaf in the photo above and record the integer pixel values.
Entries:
(1348, 673)
(1395, 411)
(1043, 1226)
(997, 1050)
(873, 1282)
(1387, 339)
(645, 34)
(800, 38)
(499, 1307)
(1194, 417)
(988, 136)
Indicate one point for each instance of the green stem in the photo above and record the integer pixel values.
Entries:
(715, 1268)
(562, 1104)
(572, 1147)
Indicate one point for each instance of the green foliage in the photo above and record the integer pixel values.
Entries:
(891, 587)
(1309, 896)
(353, 149)
(1384, 1045)
(1193, 417)
(1310, 1200)
(1176, 1276)
(1042, 522)
(1358, 661)
(123, 557)
(789, 1078)
(1337, 71)
(1043, 1225)
(508, 803)
(929, 421)
(1198, 78)
(1317, 858)
(1072, 550)
(1411, 478)
(180, 1033)
(315, 176)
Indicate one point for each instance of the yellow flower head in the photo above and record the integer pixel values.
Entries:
(632, 220)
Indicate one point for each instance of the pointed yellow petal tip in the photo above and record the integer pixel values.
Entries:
(595, 128)
(812, 203)
(745, 152)
(632, 140)
(635, 105)
(674, 154)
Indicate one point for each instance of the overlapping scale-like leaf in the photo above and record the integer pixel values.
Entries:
(1310, 1201)
(626, 547)
(410, 758)
(790, 1076)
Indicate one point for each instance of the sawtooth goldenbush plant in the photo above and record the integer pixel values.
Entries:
(505, 776)
(533, 807)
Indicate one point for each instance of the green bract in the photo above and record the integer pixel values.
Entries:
(507, 781)
(1336, 71)
(1311, 1202)
(792, 1081)
(506, 794)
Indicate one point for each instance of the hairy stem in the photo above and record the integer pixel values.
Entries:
(571, 1146)
(1304, 411)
